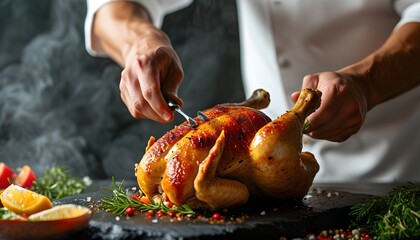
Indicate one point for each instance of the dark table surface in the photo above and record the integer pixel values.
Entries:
(326, 206)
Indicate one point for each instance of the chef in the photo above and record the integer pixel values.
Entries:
(364, 55)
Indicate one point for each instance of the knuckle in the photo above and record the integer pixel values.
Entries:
(164, 51)
(308, 77)
(310, 81)
(149, 91)
(143, 60)
(127, 78)
(136, 109)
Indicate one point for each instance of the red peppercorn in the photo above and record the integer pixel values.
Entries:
(216, 216)
(169, 204)
(365, 236)
(135, 197)
(159, 213)
(150, 213)
(129, 211)
(172, 213)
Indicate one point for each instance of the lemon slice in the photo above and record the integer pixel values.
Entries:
(60, 212)
(23, 201)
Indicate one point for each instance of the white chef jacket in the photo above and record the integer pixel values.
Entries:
(283, 40)
(157, 9)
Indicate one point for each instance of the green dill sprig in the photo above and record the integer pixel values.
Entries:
(393, 216)
(57, 183)
(121, 199)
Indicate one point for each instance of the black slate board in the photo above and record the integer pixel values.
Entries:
(319, 210)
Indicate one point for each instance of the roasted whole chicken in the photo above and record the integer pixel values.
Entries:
(235, 154)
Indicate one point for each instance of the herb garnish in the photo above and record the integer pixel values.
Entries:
(121, 200)
(58, 183)
(8, 215)
(393, 216)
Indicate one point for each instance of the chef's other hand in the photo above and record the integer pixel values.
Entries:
(152, 70)
(343, 106)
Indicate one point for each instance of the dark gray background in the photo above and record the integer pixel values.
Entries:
(60, 106)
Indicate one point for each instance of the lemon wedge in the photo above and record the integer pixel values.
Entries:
(59, 212)
(23, 201)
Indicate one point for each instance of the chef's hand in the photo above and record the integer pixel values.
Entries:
(152, 72)
(343, 106)
(350, 92)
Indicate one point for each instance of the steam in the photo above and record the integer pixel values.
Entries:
(60, 106)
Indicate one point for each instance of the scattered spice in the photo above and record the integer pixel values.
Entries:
(336, 234)
(216, 216)
(122, 199)
(172, 213)
(159, 213)
(129, 211)
(150, 214)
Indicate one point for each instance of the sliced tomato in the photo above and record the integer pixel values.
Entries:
(6, 175)
(25, 178)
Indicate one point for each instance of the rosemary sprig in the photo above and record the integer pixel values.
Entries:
(58, 183)
(393, 216)
(121, 199)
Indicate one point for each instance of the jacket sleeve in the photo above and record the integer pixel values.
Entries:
(409, 10)
(157, 10)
